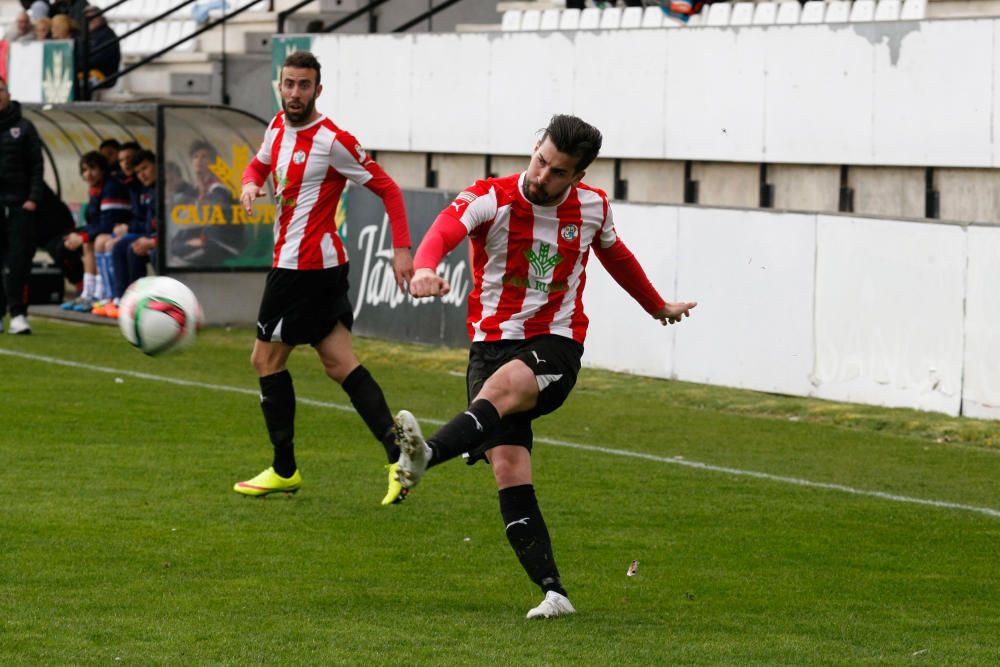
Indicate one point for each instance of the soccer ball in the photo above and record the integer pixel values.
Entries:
(159, 314)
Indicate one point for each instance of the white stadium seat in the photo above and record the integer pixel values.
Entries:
(812, 12)
(550, 20)
(511, 19)
(531, 19)
(632, 17)
(718, 14)
(695, 21)
(764, 13)
(186, 28)
(837, 11)
(788, 13)
(862, 11)
(590, 18)
(652, 17)
(887, 10)
(569, 19)
(742, 13)
(611, 18)
(914, 10)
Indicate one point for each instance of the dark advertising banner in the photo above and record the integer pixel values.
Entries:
(380, 308)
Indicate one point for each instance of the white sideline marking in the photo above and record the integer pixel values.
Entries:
(549, 441)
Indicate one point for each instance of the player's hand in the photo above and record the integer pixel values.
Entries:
(73, 241)
(672, 313)
(250, 192)
(427, 283)
(402, 267)
(29, 205)
(121, 229)
(142, 246)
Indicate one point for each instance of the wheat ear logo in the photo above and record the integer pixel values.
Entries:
(541, 262)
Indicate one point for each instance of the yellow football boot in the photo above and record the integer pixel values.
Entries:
(269, 482)
(396, 493)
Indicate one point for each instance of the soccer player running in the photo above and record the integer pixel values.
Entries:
(305, 295)
(531, 236)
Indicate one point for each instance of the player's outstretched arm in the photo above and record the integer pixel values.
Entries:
(672, 313)
(250, 192)
(402, 267)
(426, 283)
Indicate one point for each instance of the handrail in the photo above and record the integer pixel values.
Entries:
(426, 15)
(284, 14)
(110, 81)
(139, 27)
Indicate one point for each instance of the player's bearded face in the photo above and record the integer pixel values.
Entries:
(549, 175)
(298, 94)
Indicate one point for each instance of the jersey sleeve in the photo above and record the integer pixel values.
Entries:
(353, 162)
(474, 206)
(608, 235)
(256, 172)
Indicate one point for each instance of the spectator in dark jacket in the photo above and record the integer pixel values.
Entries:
(21, 188)
(105, 62)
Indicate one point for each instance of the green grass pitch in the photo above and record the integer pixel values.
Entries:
(121, 542)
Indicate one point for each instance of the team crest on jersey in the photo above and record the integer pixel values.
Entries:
(298, 157)
(15, 132)
(569, 232)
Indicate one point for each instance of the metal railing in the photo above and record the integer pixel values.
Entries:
(357, 13)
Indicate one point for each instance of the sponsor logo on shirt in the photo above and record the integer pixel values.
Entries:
(542, 264)
(464, 199)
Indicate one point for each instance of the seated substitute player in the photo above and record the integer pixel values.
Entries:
(531, 234)
(305, 296)
(132, 253)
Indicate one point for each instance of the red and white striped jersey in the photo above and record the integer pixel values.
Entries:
(310, 166)
(529, 261)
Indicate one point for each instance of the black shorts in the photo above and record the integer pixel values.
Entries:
(303, 306)
(555, 360)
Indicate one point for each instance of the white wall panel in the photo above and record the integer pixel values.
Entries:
(714, 96)
(889, 312)
(981, 390)
(374, 89)
(752, 275)
(926, 110)
(619, 82)
(525, 87)
(622, 336)
(819, 96)
(451, 100)
(995, 116)
(25, 71)
(330, 101)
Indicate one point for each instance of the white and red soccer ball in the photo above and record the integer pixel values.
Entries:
(159, 314)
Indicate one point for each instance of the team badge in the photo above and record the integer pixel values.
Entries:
(298, 157)
(15, 132)
(569, 232)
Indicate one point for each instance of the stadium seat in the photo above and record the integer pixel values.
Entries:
(837, 11)
(550, 20)
(741, 14)
(914, 10)
(652, 17)
(788, 13)
(590, 18)
(764, 13)
(887, 10)
(511, 19)
(569, 19)
(186, 28)
(611, 18)
(812, 11)
(631, 17)
(531, 19)
(698, 19)
(718, 14)
(862, 11)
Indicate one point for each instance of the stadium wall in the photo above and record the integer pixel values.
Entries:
(887, 93)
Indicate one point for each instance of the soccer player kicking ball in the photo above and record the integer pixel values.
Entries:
(531, 235)
(305, 296)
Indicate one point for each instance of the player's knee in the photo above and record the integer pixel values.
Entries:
(510, 472)
(263, 363)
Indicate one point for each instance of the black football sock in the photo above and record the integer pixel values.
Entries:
(367, 398)
(464, 432)
(529, 537)
(277, 400)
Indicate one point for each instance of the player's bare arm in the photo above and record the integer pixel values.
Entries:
(673, 313)
(426, 282)
(402, 267)
(250, 192)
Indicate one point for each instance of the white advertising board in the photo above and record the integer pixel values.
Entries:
(981, 387)
(889, 312)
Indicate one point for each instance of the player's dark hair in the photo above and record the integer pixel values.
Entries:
(94, 159)
(142, 156)
(111, 142)
(575, 138)
(130, 146)
(302, 60)
(202, 145)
